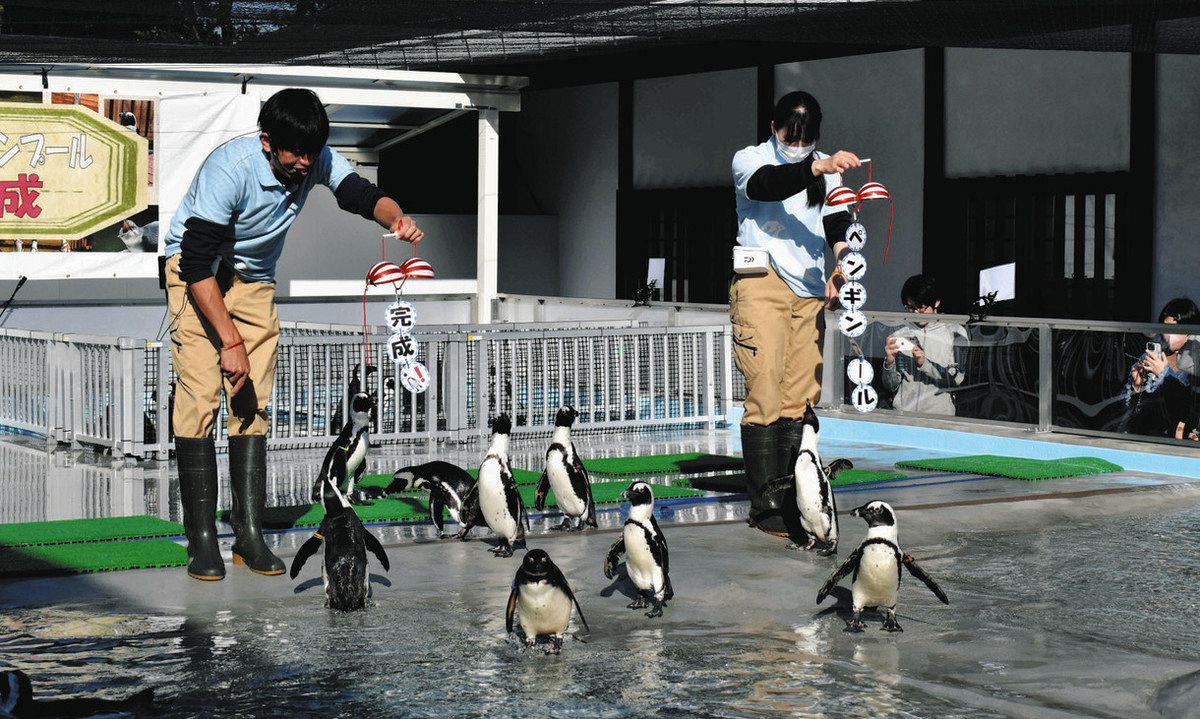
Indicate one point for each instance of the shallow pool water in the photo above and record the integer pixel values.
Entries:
(1083, 617)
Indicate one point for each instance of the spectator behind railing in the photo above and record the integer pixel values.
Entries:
(920, 367)
(1159, 392)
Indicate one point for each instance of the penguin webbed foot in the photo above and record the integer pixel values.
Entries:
(563, 527)
(855, 623)
(889, 621)
(828, 550)
(656, 610)
(504, 551)
(639, 603)
(554, 646)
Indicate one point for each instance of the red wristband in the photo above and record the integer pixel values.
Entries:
(239, 343)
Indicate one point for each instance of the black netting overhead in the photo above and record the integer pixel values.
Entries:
(454, 34)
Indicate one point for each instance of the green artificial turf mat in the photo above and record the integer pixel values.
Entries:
(686, 463)
(414, 507)
(1016, 467)
(610, 493)
(91, 557)
(404, 509)
(863, 476)
(381, 481)
(728, 483)
(68, 531)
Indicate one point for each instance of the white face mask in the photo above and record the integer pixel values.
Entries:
(795, 154)
(1175, 342)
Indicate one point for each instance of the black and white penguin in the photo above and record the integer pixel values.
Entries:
(814, 492)
(564, 473)
(496, 496)
(542, 601)
(877, 565)
(647, 560)
(16, 700)
(351, 444)
(449, 486)
(346, 540)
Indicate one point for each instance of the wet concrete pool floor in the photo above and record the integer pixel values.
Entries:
(1070, 597)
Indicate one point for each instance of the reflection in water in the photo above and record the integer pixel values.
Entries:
(39, 485)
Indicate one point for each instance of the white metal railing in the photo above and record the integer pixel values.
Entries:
(117, 393)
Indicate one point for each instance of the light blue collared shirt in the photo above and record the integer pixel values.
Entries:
(790, 231)
(236, 187)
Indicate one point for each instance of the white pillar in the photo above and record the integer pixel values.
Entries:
(488, 218)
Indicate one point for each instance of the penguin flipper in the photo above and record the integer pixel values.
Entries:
(915, 570)
(839, 574)
(781, 484)
(510, 609)
(376, 548)
(543, 488)
(613, 556)
(436, 506)
(837, 466)
(662, 545)
(468, 516)
(307, 549)
(557, 579)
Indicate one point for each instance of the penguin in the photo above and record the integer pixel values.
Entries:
(448, 486)
(564, 473)
(351, 444)
(542, 601)
(647, 560)
(495, 497)
(346, 540)
(877, 565)
(16, 700)
(813, 488)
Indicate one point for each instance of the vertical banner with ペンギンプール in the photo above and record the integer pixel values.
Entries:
(75, 186)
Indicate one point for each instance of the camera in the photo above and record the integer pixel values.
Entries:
(904, 345)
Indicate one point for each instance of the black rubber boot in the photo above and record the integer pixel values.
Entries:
(197, 462)
(248, 482)
(759, 453)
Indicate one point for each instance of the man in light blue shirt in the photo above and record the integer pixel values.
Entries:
(221, 250)
(781, 186)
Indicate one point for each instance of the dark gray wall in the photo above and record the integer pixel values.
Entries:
(568, 145)
(1177, 212)
(686, 128)
(1023, 112)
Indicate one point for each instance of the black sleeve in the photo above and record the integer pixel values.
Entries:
(836, 226)
(775, 183)
(358, 195)
(199, 247)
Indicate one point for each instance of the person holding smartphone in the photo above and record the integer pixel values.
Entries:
(1158, 393)
(919, 365)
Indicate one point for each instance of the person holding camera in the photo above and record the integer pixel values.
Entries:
(919, 366)
(1158, 394)
(780, 187)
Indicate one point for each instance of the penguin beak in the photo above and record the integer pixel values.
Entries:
(625, 494)
(858, 511)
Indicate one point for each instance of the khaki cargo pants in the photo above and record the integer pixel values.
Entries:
(194, 350)
(777, 340)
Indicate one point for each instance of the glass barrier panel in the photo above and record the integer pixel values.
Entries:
(1126, 382)
(934, 367)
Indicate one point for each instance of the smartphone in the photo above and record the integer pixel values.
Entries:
(1153, 348)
